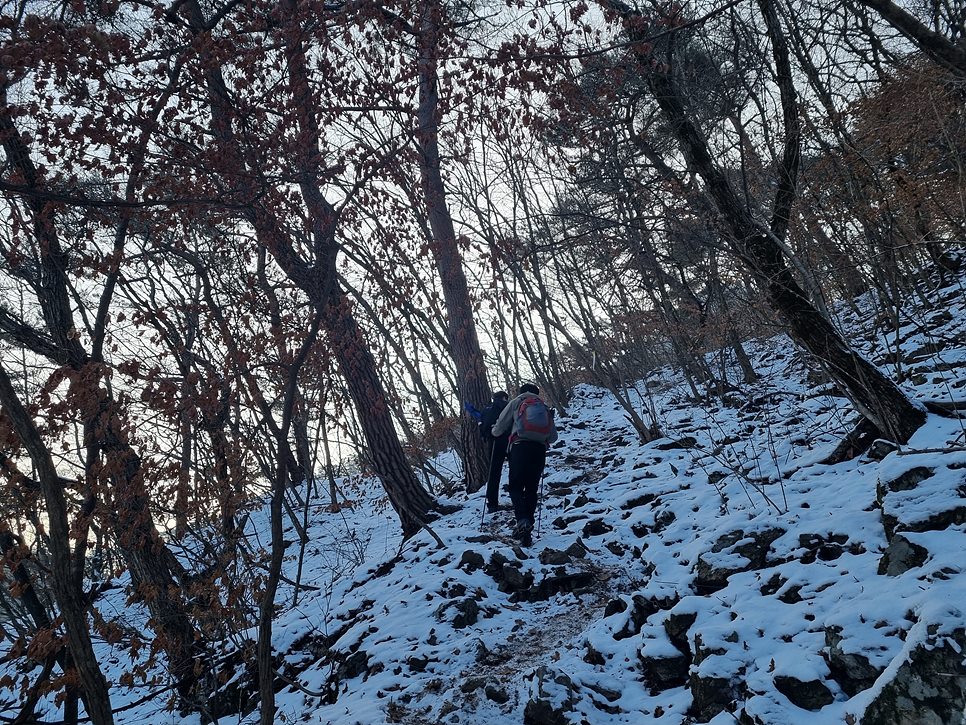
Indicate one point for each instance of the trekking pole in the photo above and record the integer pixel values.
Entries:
(540, 508)
(487, 485)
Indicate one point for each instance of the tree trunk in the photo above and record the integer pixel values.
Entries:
(874, 395)
(152, 563)
(410, 500)
(947, 53)
(461, 332)
(70, 600)
(319, 280)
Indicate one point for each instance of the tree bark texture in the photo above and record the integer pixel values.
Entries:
(461, 334)
(408, 497)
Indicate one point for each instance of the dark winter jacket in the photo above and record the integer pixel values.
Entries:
(490, 415)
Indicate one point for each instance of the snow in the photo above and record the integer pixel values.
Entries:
(649, 515)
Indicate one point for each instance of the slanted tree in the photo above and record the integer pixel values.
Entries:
(761, 245)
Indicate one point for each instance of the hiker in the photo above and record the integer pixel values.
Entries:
(529, 422)
(497, 446)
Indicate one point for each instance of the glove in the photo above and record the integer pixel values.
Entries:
(474, 413)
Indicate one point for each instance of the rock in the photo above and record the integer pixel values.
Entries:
(513, 580)
(562, 522)
(709, 578)
(809, 695)
(881, 448)
(495, 567)
(593, 657)
(615, 606)
(663, 673)
(676, 626)
(791, 595)
(702, 651)
(615, 547)
(540, 709)
(770, 587)
(554, 556)
(417, 664)
(578, 582)
(901, 555)
(820, 547)
(596, 527)
(928, 689)
(468, 613)
(542, 712)
(663, 519)
(471, 561)
(577, 550)
(638, 501)
(852, 671)
(910, 479)
(496, 694)
(353, 665)
(640, 530)
(472, 684)
(709, 696)
(642, 608)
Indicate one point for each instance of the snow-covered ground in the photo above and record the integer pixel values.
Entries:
(723, 566)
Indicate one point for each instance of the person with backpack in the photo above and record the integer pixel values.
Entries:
(529, 423)
(497, 446)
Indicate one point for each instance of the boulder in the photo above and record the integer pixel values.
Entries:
(514, 580)
(496, 694)
(596, 527)
(641, 609)
(353, 665)
(578, 582)
(808, 695)
(663, 673)
(542, 709)
(709, 696)
(710, 577)
(471, 561)
(543, 712)
(554, 556)
(910, 479)
(901, 555)
(676, 626)
(467, 612)
(929, 688)
(851, 670)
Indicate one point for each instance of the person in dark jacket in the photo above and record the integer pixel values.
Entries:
(527, 454)
(497, 448)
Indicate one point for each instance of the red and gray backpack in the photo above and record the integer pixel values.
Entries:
(533, 421)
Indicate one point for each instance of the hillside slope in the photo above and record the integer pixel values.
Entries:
(723, 572)
(722, 569)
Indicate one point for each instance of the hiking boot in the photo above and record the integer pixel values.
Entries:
(492, 508)
(521, 532)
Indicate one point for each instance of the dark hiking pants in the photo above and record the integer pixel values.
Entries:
(497, 457)
(527, 459)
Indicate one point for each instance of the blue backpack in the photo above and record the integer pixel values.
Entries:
(533, 421)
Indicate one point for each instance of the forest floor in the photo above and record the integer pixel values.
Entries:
(723, 573)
